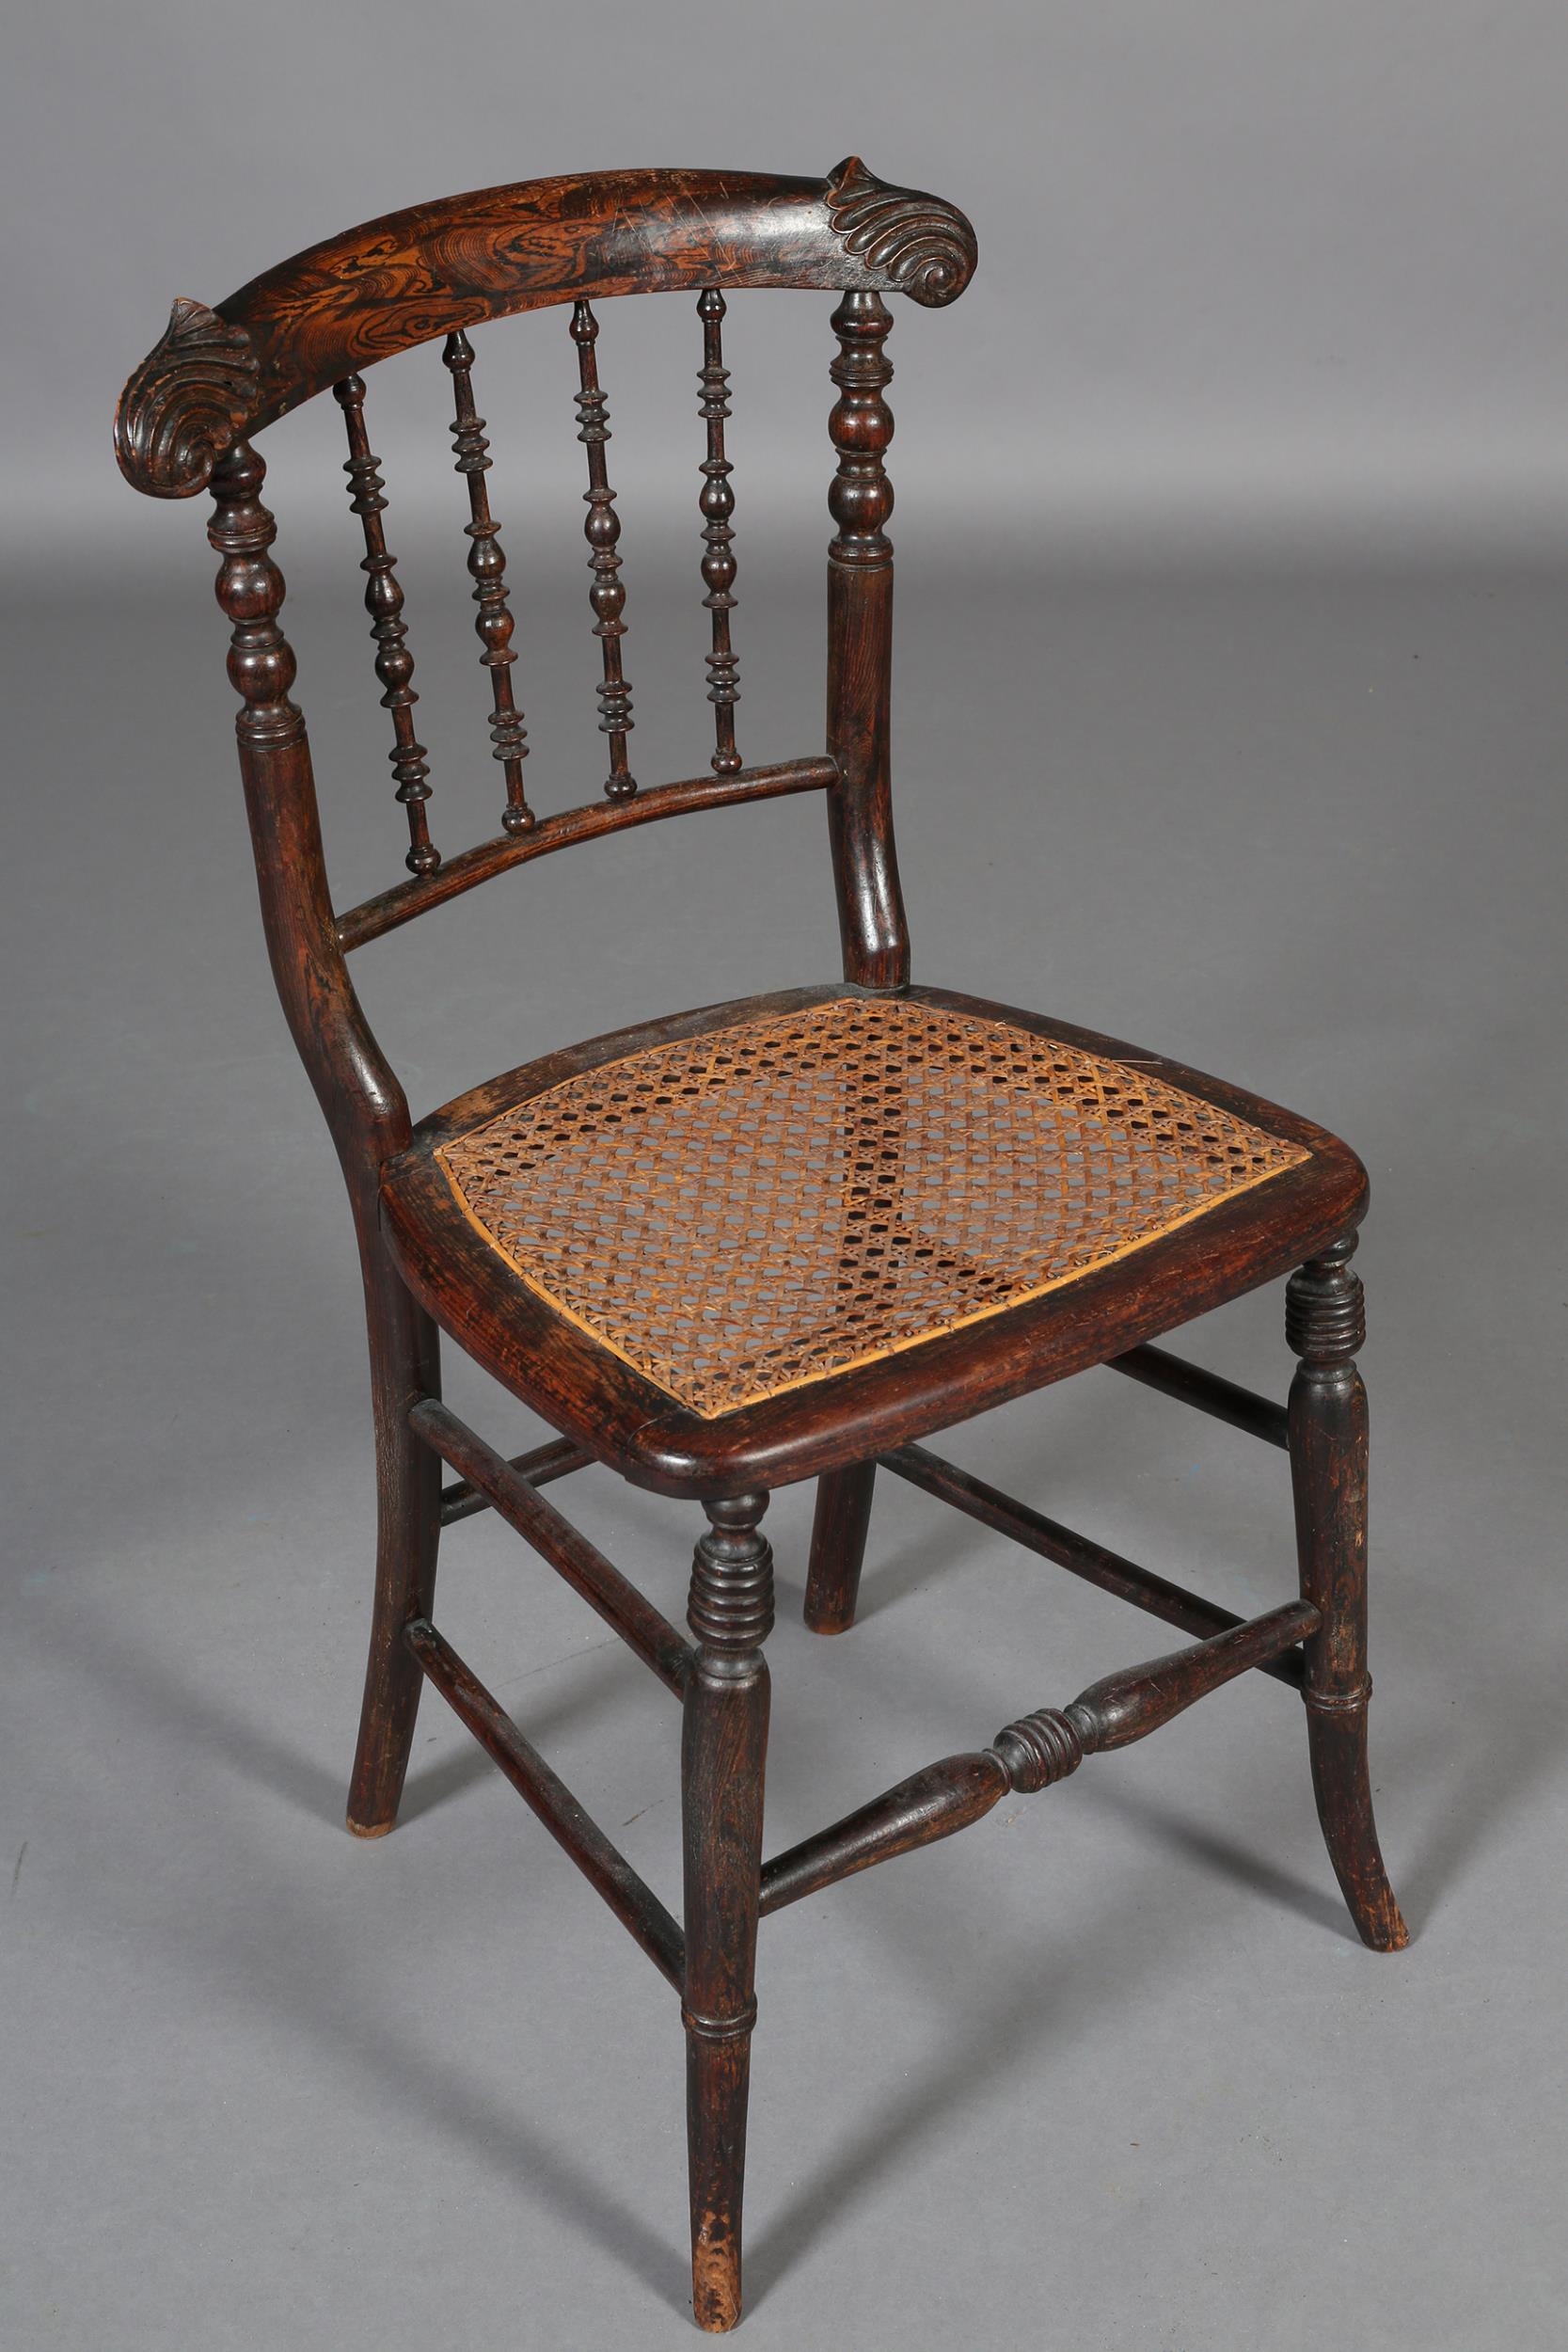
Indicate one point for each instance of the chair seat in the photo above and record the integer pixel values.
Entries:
(706, 1244)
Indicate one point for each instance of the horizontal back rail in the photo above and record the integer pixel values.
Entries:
(220, 376)
(403, 901)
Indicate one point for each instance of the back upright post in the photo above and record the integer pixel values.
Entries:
(365, 1107)
(860, 652)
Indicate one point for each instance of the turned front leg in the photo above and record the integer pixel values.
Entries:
(723, 1754)
(1326, 1324)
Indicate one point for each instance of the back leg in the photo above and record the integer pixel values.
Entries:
(404, 1364)
(1325, 1323)
(838, 1546)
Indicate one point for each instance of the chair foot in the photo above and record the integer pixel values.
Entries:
(1337, 1735)
(718, 2081)
(838, 1546)
(724, 1756)
(403, 1365)
(1325, 1323)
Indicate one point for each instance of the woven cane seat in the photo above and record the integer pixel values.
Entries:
(746, 1211)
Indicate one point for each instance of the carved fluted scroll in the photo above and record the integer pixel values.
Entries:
(394, 663)
(386, 285)
(921, 245)
(718, 505)
(602, 530)
(487, 566)
(189, 401)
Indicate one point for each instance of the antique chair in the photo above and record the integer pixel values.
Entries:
(780, 1238)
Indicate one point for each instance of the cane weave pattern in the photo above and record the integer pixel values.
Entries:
(747, 1211)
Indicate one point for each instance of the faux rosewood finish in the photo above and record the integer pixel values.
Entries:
(1030, 1755)
(1024, 1525)
(724, 1756)
(335, 310)
(487, 569)
(606, 1868)
(718, 505)
(216, 378)
(1325, 1323)
(394, 662)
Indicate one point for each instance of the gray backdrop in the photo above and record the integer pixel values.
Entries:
(1233, 532)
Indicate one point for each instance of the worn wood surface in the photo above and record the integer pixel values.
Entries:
(218, 376)
(724, 1758)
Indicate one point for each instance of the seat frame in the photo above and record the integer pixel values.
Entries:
(186, 421)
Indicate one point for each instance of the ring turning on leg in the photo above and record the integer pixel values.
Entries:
(1326, 1324)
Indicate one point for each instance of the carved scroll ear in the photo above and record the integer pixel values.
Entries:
(190, 398)
(923, 245)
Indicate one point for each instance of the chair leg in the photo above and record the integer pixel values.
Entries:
(723, 1754)
(1326, 1324)
(404, 1364)
(838, 1534)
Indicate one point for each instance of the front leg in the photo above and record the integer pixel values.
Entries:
(1325, 1323)
(723, 1754)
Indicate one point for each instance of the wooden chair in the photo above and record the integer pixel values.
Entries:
(781, 1238)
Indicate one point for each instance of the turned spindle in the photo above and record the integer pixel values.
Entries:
(394, 663)
(717, 505)
(602, 530)
(487, 569)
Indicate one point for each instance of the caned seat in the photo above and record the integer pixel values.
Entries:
(780, 1238)
(724, 1229)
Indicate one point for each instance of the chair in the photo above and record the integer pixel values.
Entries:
(781, 1238)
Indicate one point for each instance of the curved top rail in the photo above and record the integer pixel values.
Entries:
(340, 307)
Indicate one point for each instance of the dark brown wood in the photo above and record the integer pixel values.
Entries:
(1156, 1368)
(1325, 1325)
(578, 1562)
(602, 530)
(365, 1107)
(469, 867)
(487, 569)
(560, 1372)
(1030, 1755)
(838, 1534)
(871, 919)
(216, 378)
(1074, 1552)
(217, 375)
(394, 663)
(718, 505)
(604, 1867)
(724, 1758)
(540, 1464)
